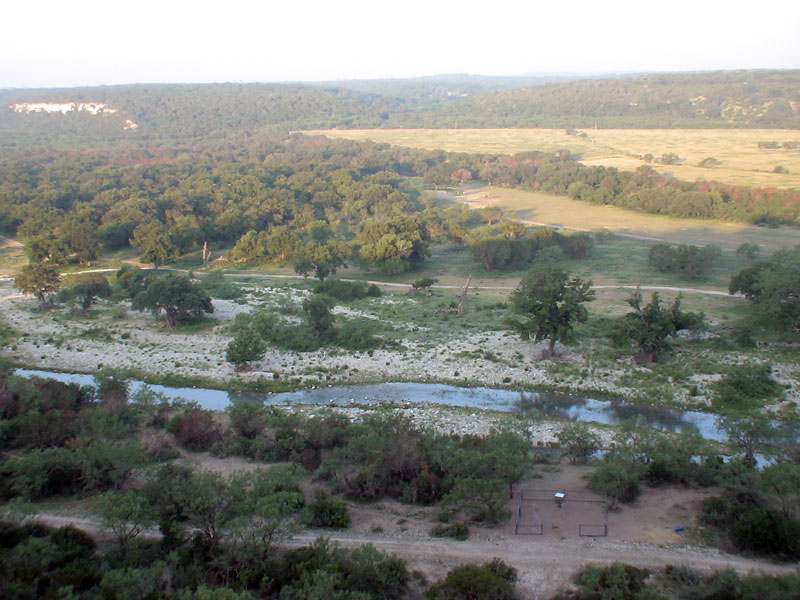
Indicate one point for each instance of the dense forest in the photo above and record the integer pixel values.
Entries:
(149, 113)
(319, 202)
(721, 99)
(322, 204)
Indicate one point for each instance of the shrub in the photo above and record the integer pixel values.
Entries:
(617, 479)
(617, 581)
(318, 310)
(491, 581)
(245, 347)
(328, 512)
(744, 385)
(550, 256)
(766, 531)
(195, 429)
(577, 245)
(749, 250)
(343, 291)
(457, 531)
(264, 323)
(424, 283)
(357, 334)
(663, 257)
(248, 416)
(296, 337)
(44, 473)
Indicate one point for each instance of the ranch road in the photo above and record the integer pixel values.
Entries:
(656, 288)
(544, 564)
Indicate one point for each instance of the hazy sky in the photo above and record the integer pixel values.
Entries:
(66, 43)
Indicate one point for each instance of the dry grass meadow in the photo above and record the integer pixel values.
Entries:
(561, 211)
(741, 162)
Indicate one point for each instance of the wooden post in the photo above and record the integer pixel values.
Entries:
(206, 255)
(464, 295)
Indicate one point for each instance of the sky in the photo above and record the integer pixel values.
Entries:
(47, 43)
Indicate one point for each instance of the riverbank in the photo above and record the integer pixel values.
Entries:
(137, 344)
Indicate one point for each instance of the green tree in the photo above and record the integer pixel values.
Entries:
(749, 434)
(88, 286)
(38, 279)
(268, 504)
(154, 240)
(580, 442)
(551, 303)
(318, 309)
(617, 479)
(176, 295)
(513, 230)
(322, 259)
(782, 479)
(248, 416)
(649, 327)
(244, 348)
(424, 284)
(82, 241)
(773, 288)
(126, 515)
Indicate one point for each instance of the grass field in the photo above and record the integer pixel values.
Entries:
(741, 161)
(561, 211)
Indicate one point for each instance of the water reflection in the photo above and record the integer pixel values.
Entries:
(535, 404)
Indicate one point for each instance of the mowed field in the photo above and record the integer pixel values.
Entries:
(741, 162)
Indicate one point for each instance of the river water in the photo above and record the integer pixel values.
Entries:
(536, 404)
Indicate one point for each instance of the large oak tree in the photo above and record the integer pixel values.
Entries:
(550, 303)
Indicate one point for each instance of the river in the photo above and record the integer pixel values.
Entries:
(549, 405)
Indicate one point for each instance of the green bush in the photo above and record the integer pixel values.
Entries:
(328, 512)
(492, 581)
(298, 338)
(766, 531)
(457, 531)
(357, 334)
(247, 346)
(345, 291)
(744, 385)
(617, 581)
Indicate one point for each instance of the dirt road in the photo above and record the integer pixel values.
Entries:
(544, 564)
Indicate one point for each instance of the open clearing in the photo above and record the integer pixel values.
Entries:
(741, 162)
(561, 211)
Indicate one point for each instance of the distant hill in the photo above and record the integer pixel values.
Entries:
(170, 112)
(182, 112)
(419, 92)
(756, 99)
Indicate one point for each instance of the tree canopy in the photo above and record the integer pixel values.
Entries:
(650, 327)
(176, 295)
(773, 288)
(551, 303)
(38, 279)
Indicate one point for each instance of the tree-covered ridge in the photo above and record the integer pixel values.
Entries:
(717, 99)
(172, 112)
(187, 111)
